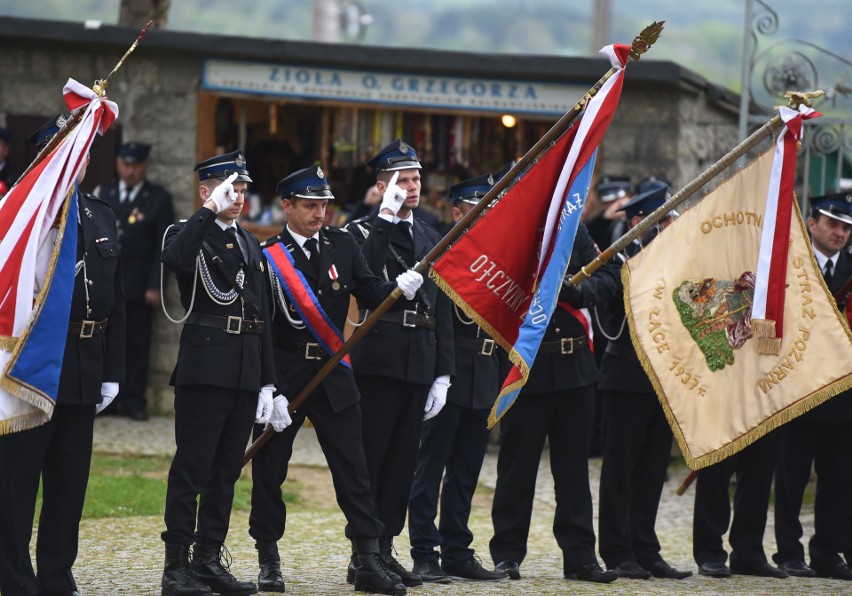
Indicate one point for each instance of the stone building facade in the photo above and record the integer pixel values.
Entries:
(670, 121)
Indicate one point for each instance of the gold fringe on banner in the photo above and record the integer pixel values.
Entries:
(7, 344)
(514, 357)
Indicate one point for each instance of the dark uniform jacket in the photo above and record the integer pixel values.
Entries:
(208, 355)
(481, 365)
(839, 407)
(88, 362)
(620, 367)
(141, 226)
(414, 354)
(338, 248)
(553, 371)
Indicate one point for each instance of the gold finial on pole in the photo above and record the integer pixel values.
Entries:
(802, 98)
(643, 42)
(100, 85)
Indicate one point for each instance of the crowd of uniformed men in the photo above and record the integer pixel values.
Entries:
(402, 419)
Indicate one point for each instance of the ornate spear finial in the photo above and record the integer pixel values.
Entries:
(643, 42)
(798, 98)
(100, 85)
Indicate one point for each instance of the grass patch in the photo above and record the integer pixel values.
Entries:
(127, 486)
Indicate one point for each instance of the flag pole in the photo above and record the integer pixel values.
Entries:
(73, 119)
(795, 99)
(641, 44)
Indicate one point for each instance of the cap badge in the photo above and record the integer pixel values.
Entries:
(403, 148)
(319, 173)
(60, 122)
(239, 161)
(490, 179)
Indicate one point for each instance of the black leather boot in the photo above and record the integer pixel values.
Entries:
(386, 552)
(352, 567)
(208, 567)
(269, 579)
(371, 574)
(178, 579)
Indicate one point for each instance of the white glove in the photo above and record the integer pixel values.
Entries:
(437, 397)
(264, 404)
(394, 196)
(409, 282)
(108, 393)
(280, 418)
(223, 196)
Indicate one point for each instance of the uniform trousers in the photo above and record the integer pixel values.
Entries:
(828, 446)
(212, 428)
(59, 453)
(392, 414)
(565, 419)
(635, 459)
(131, 395)
(754, 467)
(339, 435)
(455, 440)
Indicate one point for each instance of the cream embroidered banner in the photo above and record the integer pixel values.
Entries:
(688, 296)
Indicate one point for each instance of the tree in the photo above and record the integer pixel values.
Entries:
(137, 13)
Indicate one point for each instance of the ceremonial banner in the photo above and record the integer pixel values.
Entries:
(38, 250)
(689, 297)
(505, 273)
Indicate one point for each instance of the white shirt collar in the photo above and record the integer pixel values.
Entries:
(300, 240)
(821, 259)
(224, 226)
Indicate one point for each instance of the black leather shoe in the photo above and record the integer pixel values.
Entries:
(511, 569)
(631, 570)
(472, 569)
(269, 579)
(664, 570)
(211, 563)
(836, 570)
(797, 569)
(714, 569)
(591, 572)
(431, 573)
(758, 569)
(393, 566)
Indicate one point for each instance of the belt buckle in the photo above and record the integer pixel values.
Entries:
(487, 347)
(413, 322)
(570, 342)
(235, 325)
(308, 352)
(87, 329)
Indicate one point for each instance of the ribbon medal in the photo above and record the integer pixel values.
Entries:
(332, 273)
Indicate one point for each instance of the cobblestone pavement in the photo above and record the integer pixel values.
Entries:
(124, 556)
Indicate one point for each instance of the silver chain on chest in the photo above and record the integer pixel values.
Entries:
(217, 295)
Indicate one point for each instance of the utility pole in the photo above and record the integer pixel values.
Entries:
(327, 21)
(602, 20)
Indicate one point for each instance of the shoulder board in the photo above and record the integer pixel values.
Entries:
(270, 241)
(92, 197)
(334, 230)
(182, 220)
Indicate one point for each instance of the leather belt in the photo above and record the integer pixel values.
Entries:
(480, 345)
(87, 329)
(564, 346)
(408, 318)
(621, 351)
(232, 325)
(310, 351)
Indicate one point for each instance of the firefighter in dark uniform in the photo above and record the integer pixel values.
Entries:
(333, 268)
(637, 438)
(403, 365)
(59, 452)
(821, 437)
(557, 404)
(143, 211)
(455, 440)
(224, 378)
(8, 176)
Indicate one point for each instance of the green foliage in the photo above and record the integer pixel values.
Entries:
(127, 486)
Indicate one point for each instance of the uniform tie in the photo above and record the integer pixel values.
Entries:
(232, 237)
(312, 246)
(827, 272)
